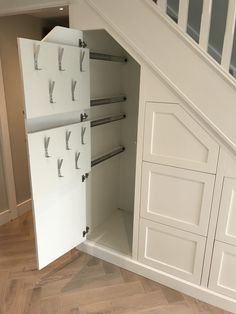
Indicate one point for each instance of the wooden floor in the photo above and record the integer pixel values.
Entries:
(78, 283)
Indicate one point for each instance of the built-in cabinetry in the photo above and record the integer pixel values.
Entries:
(82, 150)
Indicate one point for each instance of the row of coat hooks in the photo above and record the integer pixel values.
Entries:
(51, 87)
(60, 162)
(36, 51)
(47, 140)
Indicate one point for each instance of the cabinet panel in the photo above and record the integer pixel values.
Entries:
(174, 138)
(58, 193)
(170, 250)
(223, 270)
(226, 230)
(52, 86)
(177, 197)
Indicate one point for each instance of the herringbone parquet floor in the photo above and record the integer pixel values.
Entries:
(78, 283)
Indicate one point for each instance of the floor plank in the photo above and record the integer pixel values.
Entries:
(78, 283)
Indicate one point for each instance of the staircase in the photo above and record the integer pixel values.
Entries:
(144, 28)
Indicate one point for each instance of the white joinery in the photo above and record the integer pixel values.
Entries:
(171, 250)
(51, 91)
(223, 270)
(162, 5)
(183, 14)
(226, 230)
(229, 35)
(174, 138)
(205, 24)
(177, 197)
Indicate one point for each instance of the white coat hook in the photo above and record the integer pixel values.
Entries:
(83, 129)
(36, 56)
(46, 144)
(77, 155)
(82, 55)
(68, 134)
(60, 56)
(73, 86)
(59, 165)
(51, 89)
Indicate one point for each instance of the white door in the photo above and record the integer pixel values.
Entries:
(223, 270)
(177, 197)
(226, 229)
(56, 91)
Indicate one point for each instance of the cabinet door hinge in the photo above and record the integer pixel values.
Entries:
(82, 44)
(86, 231)
(83, 117)
(84, 177)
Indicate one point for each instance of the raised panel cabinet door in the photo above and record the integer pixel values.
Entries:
(177, 197)
(223, 270)
(173, 251)
(226, 229)
(173, 137)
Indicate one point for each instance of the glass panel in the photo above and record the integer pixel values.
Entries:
(173, 9)
(233, 57)
(194, 18)
(217, 29)
(3, 192)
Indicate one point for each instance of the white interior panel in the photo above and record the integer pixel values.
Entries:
(177, 197)
(170, 250)
(36, 83)
(174, 138)
(223, 270)
(226, 230)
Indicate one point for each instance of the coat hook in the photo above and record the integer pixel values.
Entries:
(51, 89)
(68, 134)
(82, 55)
(77, 155)
(73, 85)
(83, 129)
(59, 165)
(46, 144)
(36, 56)
(60, 56)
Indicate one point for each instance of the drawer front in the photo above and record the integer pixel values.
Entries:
(170, 250)
(177, 197)
(174, 138)
(226, 230)
(223, 270)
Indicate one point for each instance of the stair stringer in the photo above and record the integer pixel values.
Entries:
(198, 81)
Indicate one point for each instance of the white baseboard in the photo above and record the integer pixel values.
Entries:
(5, 217)
(24, 207)
(127, 262)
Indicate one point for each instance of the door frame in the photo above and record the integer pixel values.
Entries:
(11, 212)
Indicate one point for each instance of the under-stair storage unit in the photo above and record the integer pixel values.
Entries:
(82, 116)
(180, 160)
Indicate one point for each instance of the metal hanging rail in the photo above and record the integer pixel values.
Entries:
(109, 155)
(108, 120)
(106, 57)
(105, 101)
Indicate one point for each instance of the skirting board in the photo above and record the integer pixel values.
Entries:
(24, 207)
(5, 217)
(124, 261)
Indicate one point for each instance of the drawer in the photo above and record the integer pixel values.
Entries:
(172, 137)
(173, 251)
(226, 229)
(223, 270)
(177, 197)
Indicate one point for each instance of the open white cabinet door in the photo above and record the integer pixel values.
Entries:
(55, 75)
